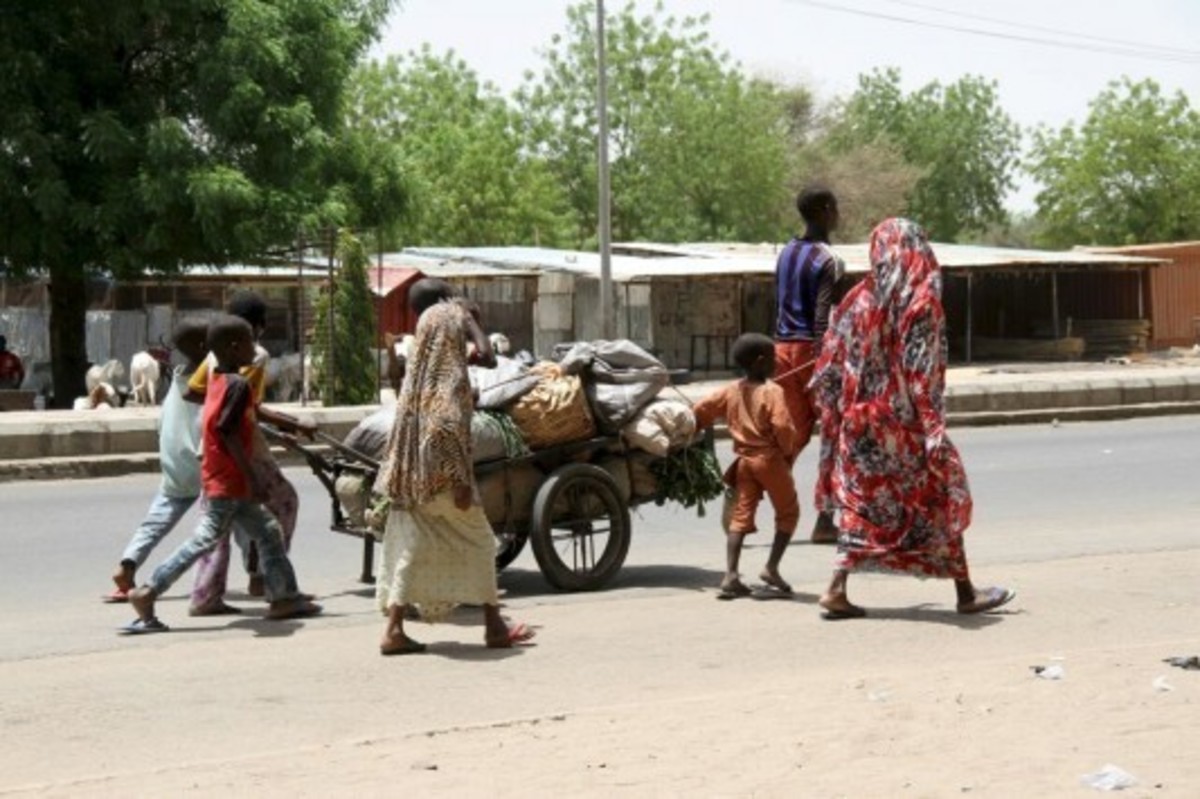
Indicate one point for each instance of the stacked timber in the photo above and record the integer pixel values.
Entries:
(1027, 349)
(1108, 337)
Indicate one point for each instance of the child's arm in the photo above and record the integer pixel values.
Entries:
(782, 426)
(711, 408)
(285, 422)
(483, 355)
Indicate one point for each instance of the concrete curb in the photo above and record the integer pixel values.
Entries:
(38, 446)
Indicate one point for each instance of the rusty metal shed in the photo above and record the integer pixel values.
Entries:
(1174, 291)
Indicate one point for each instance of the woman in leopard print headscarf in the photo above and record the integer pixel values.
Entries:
(438, 547)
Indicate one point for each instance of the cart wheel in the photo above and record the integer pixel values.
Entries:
(509, 543)
(580, 528)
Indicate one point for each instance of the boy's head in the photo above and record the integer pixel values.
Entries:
(428, 292)
(754, 353)
(251, 307)
(818, 207)
(191, 339)
(231, 341)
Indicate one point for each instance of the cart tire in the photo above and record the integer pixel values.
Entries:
(509, 545)
(569, 507)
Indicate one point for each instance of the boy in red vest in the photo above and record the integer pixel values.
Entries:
(231, 489)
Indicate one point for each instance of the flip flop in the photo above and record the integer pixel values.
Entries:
(988, 599)
(733, 591)
(409, 647)
(302, 611)
(222, 609)
(144, 627)
(842, 614)
(768, 591)
(519, 633)
(116, 596)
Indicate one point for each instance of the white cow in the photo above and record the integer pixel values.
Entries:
(144, 373)
(102, 397)
(111, 373)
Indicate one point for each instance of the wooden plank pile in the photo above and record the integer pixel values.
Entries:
(1027, 349)
(1106, 337)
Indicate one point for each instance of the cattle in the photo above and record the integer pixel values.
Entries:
(145, 371)
(101, 397)
(111, 372)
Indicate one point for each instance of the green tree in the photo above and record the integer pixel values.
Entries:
(472, 180)
(697, 150)
(1129, 174)
(150, 134)
(350, 376)
(964, 143)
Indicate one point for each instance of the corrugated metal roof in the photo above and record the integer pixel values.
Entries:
(718, 259)
(950, 256)
(625, 268)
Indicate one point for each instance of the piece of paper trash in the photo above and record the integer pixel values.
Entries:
(1109, 778)
(1162, 686)
(1054, 671)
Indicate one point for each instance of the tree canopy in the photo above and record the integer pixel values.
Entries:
(1129, 174)
(472, 181)
(150, 134)
(964, 143)
(697, 149)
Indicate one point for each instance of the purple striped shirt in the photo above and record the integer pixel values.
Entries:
(804, 279)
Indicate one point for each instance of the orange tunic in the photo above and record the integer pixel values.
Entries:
(766, 445)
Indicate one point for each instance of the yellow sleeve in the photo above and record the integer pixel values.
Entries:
(256, 376)
(198, 382)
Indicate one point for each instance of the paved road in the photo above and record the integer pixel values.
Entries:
(1041, 493)
(639, 690)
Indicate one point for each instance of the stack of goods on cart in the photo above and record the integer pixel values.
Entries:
(624, 385)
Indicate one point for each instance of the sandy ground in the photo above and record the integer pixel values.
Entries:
(657, 695)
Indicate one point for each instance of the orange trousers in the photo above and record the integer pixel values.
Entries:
(750, 478)
(796, 358)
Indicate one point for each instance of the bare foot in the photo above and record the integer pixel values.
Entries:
(295, 608)
(400, 645)
(215, 608)
(838, 607)
(123, 578)
(256, 586)
(142, 601)
(775, 581)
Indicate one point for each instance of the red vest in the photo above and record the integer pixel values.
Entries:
(219, 472)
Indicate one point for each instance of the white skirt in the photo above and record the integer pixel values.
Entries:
(437, 556)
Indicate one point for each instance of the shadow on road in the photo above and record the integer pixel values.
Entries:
(520, 583)
(927, 613)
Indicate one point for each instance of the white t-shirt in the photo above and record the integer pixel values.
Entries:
(179, 440)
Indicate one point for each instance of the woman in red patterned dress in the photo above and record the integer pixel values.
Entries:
(887, 466)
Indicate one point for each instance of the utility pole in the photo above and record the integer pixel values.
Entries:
(608, 326)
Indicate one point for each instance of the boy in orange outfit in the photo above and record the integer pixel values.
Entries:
(766, 446)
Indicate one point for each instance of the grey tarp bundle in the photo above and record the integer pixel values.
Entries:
(620, 379)
(498, 387)
(370, 436)
(491, 437)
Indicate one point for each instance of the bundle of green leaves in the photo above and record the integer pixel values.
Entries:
(690, 476)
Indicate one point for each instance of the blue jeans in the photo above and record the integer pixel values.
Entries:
(165, 512)
(220, 517)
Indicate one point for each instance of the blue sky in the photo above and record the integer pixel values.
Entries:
(825, 46)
